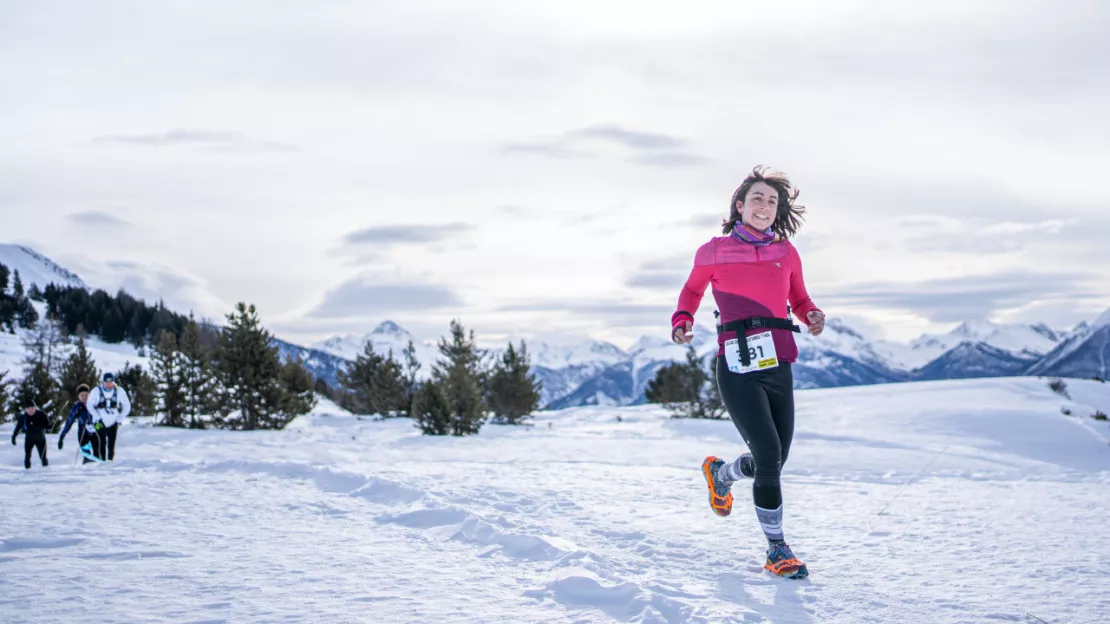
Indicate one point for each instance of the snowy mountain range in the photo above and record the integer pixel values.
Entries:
(577, 372)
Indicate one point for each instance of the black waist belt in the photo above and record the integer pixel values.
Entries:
(742, 326)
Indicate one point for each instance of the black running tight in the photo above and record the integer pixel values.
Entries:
(761, 404)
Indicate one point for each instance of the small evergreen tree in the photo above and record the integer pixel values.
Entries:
(26, 315)
(459, 374)
(79, 368)
(298, 387)
(249, 369)
(4, 398)
(38, 388)
(513, 391)
(373, 384)
(167, 371)
(670, 385)
(140, 388)
(411, 367)
(198, 380)
(7, 305)
(687, 390)
(431, 410)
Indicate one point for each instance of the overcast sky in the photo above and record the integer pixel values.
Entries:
(552, 167)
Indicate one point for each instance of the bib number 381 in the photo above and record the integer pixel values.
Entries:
(761, 353)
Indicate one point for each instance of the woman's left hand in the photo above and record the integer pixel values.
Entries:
(816, 321)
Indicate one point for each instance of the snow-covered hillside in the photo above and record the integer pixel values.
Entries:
(969, 501)
(34, 268)
(108, 357)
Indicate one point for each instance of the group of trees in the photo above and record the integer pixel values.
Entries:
(233, 377)
(113, 319)
(464, 390)
(15, 306)
(687, 389)
(200, 374)
(238, 383)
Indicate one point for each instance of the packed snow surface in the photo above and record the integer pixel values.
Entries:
(969, 501)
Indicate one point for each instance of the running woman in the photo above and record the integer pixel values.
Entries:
(755, 272)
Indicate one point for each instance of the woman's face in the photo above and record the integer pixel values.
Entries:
(760, 207)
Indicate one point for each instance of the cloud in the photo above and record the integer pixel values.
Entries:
(404, 234)
(658, 280)
(152, 281)
(97, 218)
(628, 138)
(644, 148)
(214, 140)
(612, 312)
(671, 159)
(365, 296)
(968, 297)
(936, 233)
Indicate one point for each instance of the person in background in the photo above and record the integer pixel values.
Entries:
(86, 433)
(108, 405)
(34, 423)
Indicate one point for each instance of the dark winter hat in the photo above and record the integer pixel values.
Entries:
(109, 377)
(82, 388)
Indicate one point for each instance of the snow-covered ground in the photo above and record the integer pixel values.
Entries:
(993, 508)
(108, 357)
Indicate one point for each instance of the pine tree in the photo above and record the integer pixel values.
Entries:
(7, 306)
(686, 389)
(513, 391)
(38, 388)
(198, 380)
(431, 409)
(459, 374)
(4, 398)
(670, 385)
(373, 384)
(26, 315)
(411, 367)
(79, 368)
(17, 286)
(298, 386)
(249, 367)
(140, 388)
(167, 371)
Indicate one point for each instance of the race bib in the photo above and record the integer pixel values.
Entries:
(761, 352)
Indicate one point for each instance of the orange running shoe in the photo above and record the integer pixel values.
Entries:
(720, 498)
(782, 562)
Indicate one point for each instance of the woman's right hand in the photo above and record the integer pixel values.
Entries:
(683, 334)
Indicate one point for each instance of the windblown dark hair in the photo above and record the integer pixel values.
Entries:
(789, 215)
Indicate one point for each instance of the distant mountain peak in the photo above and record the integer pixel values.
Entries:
(389, 328)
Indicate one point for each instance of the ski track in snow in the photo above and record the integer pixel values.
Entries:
(586, 520)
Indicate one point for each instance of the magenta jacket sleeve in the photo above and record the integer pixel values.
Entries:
(692, 292)
(800, 303)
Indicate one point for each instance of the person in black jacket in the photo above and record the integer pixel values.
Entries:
(34, 424)
(80, 416)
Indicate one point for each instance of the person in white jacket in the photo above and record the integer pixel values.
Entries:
(108, 405)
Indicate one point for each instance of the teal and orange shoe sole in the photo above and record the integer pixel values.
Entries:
(721, 505)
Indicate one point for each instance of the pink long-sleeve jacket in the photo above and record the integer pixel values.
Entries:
(747, 281)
